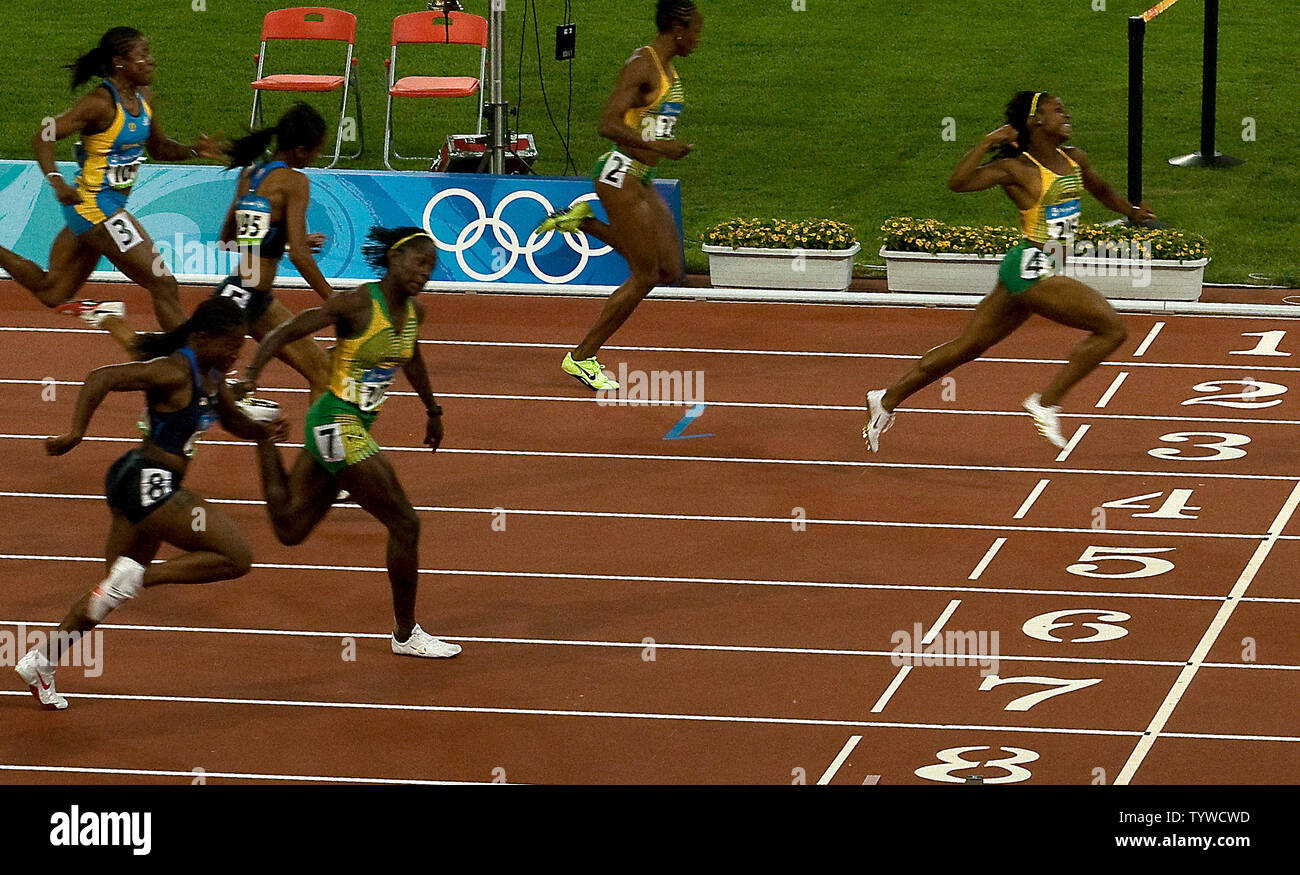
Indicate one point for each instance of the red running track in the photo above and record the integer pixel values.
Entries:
(728, 608)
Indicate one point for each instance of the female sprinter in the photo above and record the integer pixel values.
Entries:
(377, 326)
(268, 213)
(117, 124)
(639, 117)
(185, 389)
(1044, 181)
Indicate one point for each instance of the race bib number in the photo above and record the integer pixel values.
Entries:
(122, 171)
(329, 441)
(370, 392)
(1063, 219)
(1036, 264)
(121, 227)
(236, 293)
(665, 123)
(615, 170)
(252, 220)
(155, 486)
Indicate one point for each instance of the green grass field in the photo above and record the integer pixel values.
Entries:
(836, 111)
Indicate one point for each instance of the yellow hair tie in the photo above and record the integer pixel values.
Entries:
(1033, 107)
(408, 238)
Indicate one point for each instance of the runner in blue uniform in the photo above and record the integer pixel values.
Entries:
(185, 389)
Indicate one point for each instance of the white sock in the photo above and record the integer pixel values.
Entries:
(123, 582)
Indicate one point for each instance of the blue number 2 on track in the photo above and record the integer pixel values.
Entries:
(691, 415)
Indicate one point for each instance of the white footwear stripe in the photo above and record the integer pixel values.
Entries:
(743, 460)
(988, 557)
(240, 776)
(1114, 387)
(1073, 442)
(1150, 338)
(1185, 677)
(839, 760)
(1029, 502)
(711, 518)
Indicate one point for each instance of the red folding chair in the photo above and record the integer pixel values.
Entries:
(434, 28)
(311, 23)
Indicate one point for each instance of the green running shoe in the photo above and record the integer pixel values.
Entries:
(566, 221)
(588, 372)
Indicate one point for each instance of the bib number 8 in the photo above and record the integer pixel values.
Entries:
(155, 485)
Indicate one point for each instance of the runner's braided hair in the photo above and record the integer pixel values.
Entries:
(380, 241)
(673, 12)
(301, 125)
(1018, 117)
(99, 60)
(214, 317)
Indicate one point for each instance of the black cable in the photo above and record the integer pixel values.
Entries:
(537, 35)
(568, 123)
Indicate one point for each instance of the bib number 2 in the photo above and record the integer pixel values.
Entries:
(615, 170)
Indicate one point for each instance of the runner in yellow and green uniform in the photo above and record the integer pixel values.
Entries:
(641, 118)
(377, 326)
(1044, 179)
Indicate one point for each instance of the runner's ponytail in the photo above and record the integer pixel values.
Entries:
(98, 62)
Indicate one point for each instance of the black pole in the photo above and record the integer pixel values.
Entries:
(1208, 157)
(1137, 27)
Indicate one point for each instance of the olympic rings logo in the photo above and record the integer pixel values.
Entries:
(506, 237)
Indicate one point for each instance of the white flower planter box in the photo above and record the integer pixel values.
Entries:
(977, 274)
(746, 268)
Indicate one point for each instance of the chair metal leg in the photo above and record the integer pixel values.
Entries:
(388, 132)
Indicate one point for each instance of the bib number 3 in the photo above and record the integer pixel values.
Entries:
(121, 227)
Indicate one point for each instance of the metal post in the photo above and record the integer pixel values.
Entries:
(497, 125)
(1208, 157)
(1137, 27)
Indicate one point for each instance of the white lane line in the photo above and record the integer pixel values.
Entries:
(638, 715)
(905, 670)
(646, 578)
(764, 405)
(237, 776)
(1072, 443)
(1148, 340)
(839, 760)
(624, 645)
(710, 518)
(1185, 677)
(988, 557)
(551, 712)
(1029, 502)
(705, 350)
(1114, 387)
(744, 460)
(661, 645)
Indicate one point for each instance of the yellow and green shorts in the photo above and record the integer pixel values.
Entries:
(1025, 265)
(337, 433)
(614, 167)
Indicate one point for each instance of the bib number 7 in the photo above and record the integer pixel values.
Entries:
(329, 441)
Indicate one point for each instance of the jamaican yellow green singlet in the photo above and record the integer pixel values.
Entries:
(362, 368)
(1055, 216)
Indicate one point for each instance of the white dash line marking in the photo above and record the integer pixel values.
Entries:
(907, 669)
(1073, 442)
(1114, 387)
(988, 557)
(1029, 502)
(839, 760)
(1148, 340)
(1207, 641)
